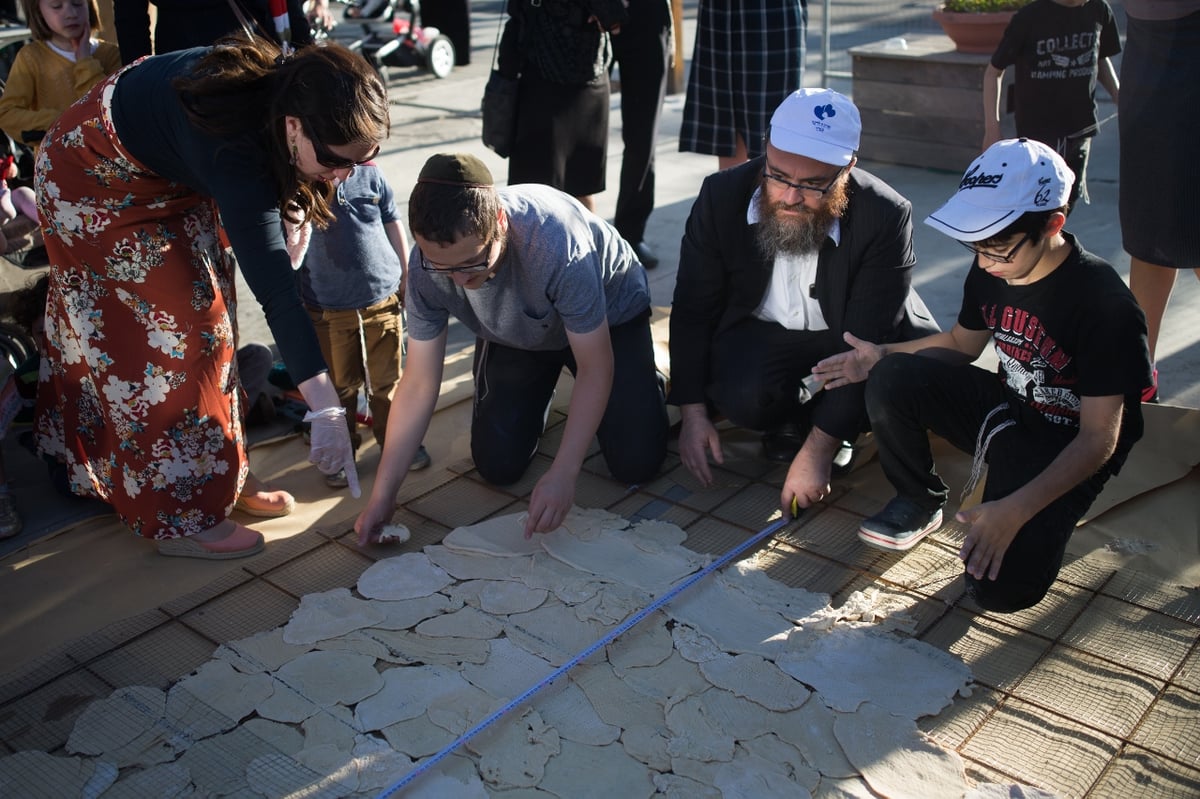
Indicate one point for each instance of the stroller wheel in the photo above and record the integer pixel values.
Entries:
(440, 56)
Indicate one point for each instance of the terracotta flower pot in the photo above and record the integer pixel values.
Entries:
(973, 33)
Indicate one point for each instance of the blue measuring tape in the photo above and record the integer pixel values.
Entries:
(612, 635)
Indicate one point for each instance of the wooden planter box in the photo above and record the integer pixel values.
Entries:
(923, 105)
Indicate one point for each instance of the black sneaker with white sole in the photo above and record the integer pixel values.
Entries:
(900, 525)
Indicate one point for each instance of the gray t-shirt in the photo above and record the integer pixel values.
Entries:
(351, 264)
(564, 269)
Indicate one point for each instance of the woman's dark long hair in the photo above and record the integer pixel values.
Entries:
(243, 87)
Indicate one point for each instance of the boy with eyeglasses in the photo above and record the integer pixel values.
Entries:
(351, 279)
(1057, 419)
(543, 284)
(780, 256)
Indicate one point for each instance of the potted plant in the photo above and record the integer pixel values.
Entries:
(976, 26)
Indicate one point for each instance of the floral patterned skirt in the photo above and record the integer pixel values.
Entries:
(138, 394)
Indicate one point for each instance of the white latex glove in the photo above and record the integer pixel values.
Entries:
(331, 449)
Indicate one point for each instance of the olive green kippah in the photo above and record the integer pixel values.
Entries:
(456, 169)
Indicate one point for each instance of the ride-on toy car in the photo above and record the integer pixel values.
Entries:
(409, 45)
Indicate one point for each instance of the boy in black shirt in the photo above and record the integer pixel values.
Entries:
(1057, 419)
(1059, 49)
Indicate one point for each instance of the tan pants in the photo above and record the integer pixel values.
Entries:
(362, 349)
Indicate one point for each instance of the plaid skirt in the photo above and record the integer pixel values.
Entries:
(138, 393)
(748, 56)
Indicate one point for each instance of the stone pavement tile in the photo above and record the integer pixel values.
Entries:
(460, 502)
(1041, 749)
(1188, 675)
(678, 485)
(865, 490)
(43, 719)
(157, 658)
(1051, 617)
(1170, 727)
(834, 533)
(714, 537)
(81, 650)
(801, 569)
(462, 466)
(1088, 690)
(1139, 639)
(595, 491)
(1085, 572)
(980, 773)
(418, 484)
(226, 582)
(920, 612)
(241, 612)
(640, 505)
(1138, 773)
(952, 533)
(284, 549)
(424, 532)
(958, 722)
(1155, 593)
(927, 569)
(330, 566)
(999, 656)
(754, 507)
(34, 674)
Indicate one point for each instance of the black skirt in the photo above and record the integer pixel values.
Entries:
(562, 135)
(1159, 114)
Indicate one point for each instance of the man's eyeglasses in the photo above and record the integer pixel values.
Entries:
(469, 269)
(991, 256)
(802, 187)
(328, 158)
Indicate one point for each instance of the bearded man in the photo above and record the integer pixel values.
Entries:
(780, 257)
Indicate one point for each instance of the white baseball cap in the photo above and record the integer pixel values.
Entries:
(1011, 177)
(820, 124)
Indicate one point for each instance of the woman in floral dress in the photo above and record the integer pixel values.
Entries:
(138, 185)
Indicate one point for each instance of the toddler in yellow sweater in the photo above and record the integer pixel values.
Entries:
(56, 69)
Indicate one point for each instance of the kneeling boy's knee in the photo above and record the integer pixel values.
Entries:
(1001, 597)
(500, 471)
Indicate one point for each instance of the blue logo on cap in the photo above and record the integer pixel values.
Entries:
(822, 111)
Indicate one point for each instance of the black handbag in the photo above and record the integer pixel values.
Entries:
(500, 113)
(499, 104)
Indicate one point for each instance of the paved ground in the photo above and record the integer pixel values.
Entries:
(1093, 693)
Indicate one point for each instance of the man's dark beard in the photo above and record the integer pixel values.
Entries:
(792, 235)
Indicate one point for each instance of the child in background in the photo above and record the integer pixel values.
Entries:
(18, 391)
(56, 69)
(1060, 49)
(18, 211)
(352, 281)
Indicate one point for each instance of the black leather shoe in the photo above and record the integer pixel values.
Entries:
(645, 255)
(782, 443)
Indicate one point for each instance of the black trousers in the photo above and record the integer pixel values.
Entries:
(513, 389)
(758, 368)
(908, 395)
(452, 18)
(642, 51)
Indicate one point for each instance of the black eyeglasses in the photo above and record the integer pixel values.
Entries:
(328, 158)
(991, 256)
(469, 269)
(801, 187)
